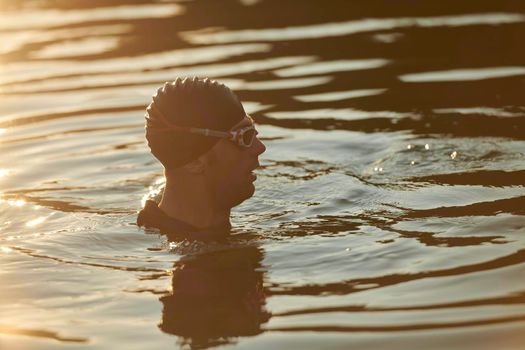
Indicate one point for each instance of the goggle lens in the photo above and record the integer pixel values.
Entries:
(248, 136)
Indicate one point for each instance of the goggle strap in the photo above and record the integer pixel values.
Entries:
(209, 132)
(236, 136)
(162, 117)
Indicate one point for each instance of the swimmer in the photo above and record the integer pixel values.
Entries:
(208, 145)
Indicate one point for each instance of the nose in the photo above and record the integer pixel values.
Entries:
(258, 147)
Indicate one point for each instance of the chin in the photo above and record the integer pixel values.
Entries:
(246, 195)
(251, 191)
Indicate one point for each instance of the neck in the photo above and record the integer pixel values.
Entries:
(192, 204)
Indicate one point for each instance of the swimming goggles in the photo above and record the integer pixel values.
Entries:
(244, 137)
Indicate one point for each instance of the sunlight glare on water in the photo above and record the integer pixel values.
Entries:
(389, 205)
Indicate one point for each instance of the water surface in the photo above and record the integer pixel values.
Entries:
(390, 205)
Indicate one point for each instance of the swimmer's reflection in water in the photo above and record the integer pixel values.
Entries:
(216, 297)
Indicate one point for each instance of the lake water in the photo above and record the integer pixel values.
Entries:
(390, 204)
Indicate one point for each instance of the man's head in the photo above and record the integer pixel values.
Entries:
(176, 123)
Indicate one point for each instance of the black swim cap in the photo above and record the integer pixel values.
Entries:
(189, 102)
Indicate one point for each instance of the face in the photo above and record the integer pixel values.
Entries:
(230, 169)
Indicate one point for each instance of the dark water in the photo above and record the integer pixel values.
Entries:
(390, 209)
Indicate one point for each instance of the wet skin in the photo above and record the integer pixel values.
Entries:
(230, 169)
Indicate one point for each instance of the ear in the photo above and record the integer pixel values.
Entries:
(196, 166)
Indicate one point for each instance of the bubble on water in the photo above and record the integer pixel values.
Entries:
(173, 245)
(413, 162)
(409, 146)
(453, 155)
(427, 146)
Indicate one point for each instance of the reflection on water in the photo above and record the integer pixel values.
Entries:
(389, 204)
(216, 297)
(351, 27)
(464, 74)
(52, 17)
